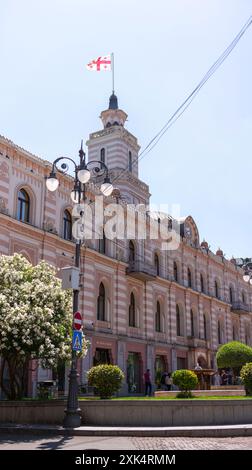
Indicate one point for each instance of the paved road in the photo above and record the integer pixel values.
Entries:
(11, 442)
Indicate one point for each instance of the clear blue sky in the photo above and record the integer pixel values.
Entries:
(49, 101)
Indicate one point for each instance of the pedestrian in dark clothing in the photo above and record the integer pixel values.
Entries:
(147, 382)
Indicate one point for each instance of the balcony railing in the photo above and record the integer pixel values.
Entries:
(240, 307)
(141, 270)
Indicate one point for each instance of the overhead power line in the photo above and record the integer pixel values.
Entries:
(186, 103)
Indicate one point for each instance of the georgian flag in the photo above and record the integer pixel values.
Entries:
(101, 63)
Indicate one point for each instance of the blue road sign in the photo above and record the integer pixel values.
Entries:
(77, 340)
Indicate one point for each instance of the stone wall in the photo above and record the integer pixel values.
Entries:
(133, 413)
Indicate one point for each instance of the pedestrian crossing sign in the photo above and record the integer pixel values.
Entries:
(77, 340)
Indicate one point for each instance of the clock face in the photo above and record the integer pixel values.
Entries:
(188, 231)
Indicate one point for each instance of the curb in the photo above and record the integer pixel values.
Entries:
(195, 431)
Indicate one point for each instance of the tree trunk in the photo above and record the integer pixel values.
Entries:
(17, 372)
(2, 385)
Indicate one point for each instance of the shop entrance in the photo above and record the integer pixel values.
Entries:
(134, 373)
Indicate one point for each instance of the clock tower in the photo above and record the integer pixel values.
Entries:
(118, 149)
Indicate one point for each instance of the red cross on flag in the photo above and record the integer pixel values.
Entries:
(101, 63)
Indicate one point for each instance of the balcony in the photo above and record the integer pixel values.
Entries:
(239, 307)
(141, 270)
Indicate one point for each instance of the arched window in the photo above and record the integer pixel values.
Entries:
(189, 277)
(158, 318)
(217, 291)
(101, 303)
(102, 155)
(102, 244)
(131, 252)
(192, 323)
(130, 161)
(244, 300)
(202, 285)
(178, 321)
(205, 326)
(231, 294)
(67, 225)
(219, 332)
(23, 207)
(156, 263)
(175, 271)
(132, 311)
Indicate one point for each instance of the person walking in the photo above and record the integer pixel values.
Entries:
(147, 382)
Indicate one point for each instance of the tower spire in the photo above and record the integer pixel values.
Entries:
(113, 102)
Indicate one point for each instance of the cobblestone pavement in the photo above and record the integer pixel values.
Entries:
(188, 443)
(11, 442)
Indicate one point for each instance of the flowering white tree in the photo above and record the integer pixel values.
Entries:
(35, 320)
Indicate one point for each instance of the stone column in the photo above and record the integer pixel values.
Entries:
(172, 324)
(187, 329)
(150, 363)
(122, 363)
(173, 359)
(87, 362)
(214, 329)
(201, 319)
(229, 326)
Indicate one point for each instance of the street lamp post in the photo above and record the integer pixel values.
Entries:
(248, 273)
(83, 173)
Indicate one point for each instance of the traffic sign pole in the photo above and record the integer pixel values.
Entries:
(73, 412)
(77, 322)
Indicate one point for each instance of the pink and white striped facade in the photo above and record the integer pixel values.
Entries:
(204, 320)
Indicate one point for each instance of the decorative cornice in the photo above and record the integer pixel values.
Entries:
(115, 130)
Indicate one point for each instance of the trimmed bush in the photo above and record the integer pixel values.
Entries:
(234, 355)
(186, 380)
(106, 379)
(246, 376)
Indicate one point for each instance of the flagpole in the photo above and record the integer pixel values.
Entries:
(113, 72)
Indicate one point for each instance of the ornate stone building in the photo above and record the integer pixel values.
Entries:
(143, 307)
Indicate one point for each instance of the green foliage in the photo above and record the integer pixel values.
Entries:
(246, 376)
(186, 380)
(107, 379)
(234, 355)
(35, 320)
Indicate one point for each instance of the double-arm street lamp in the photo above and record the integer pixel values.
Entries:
(248, 273)
(83, 172)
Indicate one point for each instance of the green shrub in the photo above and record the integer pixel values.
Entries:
(246, 376)
(106, 379)
(186, 380)
(234, 355)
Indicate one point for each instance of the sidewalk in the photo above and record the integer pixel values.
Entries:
(195, 431)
